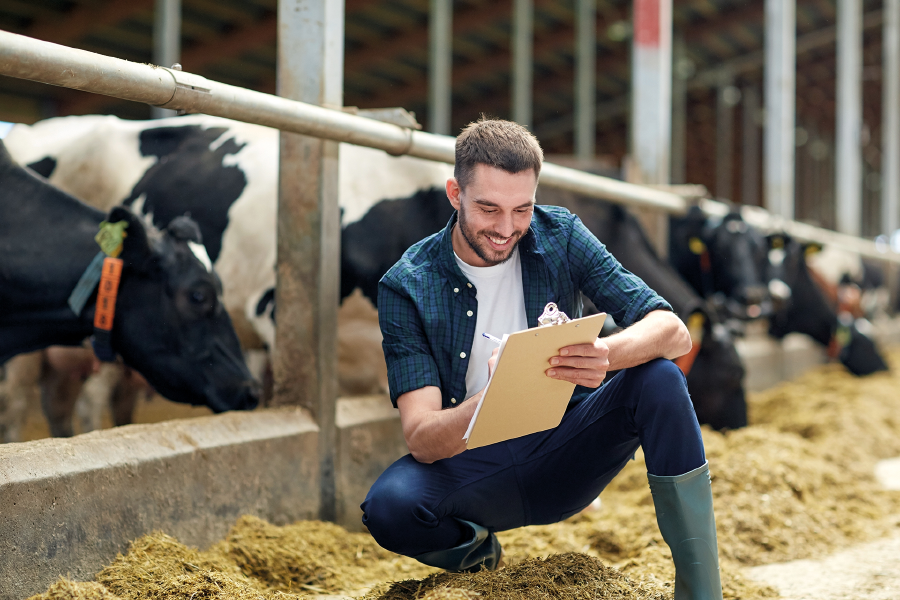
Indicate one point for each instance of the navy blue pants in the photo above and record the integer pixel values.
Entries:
(544, 477)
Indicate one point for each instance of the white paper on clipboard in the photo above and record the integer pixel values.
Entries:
(480, 400)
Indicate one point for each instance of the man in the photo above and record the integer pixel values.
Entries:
(492, 269)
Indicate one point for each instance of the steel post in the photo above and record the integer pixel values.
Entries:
(651, 90)
(727, 96)
(679, 109)
(890, 120)
(440, 60)
(585, 79)
(310, 69)
(848, 117)
(750, 154)
(523, 62)
(166, 41)
(651, 105)
(780, 101)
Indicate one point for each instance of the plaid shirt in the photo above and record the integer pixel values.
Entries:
(427, 307)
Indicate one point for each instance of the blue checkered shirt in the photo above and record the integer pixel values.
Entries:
(424, 300)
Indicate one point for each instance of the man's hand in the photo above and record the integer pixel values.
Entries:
(582, 364)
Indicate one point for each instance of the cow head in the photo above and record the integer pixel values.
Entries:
(800, 305)
(721, 259)
(170, 324)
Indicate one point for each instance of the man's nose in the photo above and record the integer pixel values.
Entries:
(506, 226)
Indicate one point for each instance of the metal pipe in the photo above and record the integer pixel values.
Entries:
(523, 33)
(890, 120)
(585, 79)
(439, 65)
(27, 58)
(848, 115)
(780, 87)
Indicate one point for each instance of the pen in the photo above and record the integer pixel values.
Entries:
(492, 338)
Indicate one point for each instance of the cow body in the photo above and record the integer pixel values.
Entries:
(169, 323)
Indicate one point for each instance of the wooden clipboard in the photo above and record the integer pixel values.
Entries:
(519, 398)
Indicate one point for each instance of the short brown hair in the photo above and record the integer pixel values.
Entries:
(497, 143)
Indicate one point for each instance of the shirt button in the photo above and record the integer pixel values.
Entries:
(452, 400)
(462, 354)
(455, 290)
(470, 313)
(469, 284)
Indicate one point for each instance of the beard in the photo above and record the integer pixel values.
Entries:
(475, 240)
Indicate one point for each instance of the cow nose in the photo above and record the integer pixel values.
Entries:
(251, 394)
(754, 294)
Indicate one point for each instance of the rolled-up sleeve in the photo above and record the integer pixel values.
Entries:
(410, 364)
(610, 286)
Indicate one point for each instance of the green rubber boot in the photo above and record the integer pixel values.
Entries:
(482, 549)
(684, 512)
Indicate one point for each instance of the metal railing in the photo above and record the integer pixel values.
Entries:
(35, 60)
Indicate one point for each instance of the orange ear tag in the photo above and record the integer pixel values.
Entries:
(107, 292)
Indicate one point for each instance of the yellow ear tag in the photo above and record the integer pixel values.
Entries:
(110, 237)
(777, 242)
(696, 245)
(812, 249)
(695, 326)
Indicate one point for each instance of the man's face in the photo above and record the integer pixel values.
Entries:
(494, 213)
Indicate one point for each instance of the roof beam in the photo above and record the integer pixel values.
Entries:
(75, 24)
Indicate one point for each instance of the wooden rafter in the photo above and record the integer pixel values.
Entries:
(77, 23)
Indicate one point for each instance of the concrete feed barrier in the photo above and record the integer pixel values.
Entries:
(68, 506)
(369, 439)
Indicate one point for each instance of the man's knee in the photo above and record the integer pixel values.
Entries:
(662, 384)
(392, 510)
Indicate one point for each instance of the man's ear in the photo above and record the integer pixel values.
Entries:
(453, 192)
(135, 247)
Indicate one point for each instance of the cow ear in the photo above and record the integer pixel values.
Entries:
(136, 250)
(185, 229)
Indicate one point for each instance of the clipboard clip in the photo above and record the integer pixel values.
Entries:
(552, 316)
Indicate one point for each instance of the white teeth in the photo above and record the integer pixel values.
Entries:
(499, 242)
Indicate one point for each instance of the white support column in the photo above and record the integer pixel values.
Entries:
(679, 110)
(585, 79)
(848, 111)
(651, 90)
(727, 96)
(523, 67)
(166, 41)
(890, 119)
(440, 59)
(780, 101)
(310, 69)
(750, 153)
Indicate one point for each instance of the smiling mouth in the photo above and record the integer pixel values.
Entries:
(499, 241)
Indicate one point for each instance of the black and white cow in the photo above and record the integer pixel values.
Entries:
(169, 323)
(720, 258)
(803, 307)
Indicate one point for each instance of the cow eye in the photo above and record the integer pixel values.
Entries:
(198, 298)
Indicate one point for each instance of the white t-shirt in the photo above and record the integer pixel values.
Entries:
(501, 309)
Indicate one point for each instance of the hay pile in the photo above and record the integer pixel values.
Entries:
(797, 483)
(565, 576)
